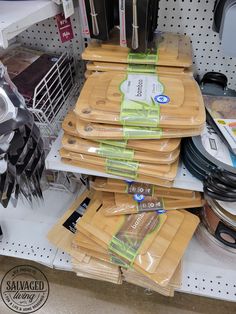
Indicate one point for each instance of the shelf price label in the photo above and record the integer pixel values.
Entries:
(64, 27)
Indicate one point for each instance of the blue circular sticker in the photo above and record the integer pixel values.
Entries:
(161, 211)
(129, 181)
(162, 99)
(139, 197)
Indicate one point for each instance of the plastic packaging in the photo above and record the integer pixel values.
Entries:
(142, 100)
(123, 168)
(133, 204)
(132, 188)
(173, 50)
(102, 169)
(152, 244)
(164, 146)
(98, 131)
(79, 145)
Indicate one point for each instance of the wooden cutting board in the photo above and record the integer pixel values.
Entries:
(173, 50)
(161, 145)
(122, 67)
(125, 204)
(62, 233)
(167, 172)
(99, 131)
(79, 145)
(121, 186)
(101, 97)
(153, 253)
(102, 169)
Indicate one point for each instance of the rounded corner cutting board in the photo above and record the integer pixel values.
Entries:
(99, 131)
(125, 204)
(82, 146)
(102, 169)
(159, 145)
(166, 172)
(173, 50)
(101, 99)
(121, 67)
(122, 186)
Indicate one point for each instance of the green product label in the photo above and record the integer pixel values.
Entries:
(141, 68)
(121, 143)
(140, 106)
(141, 133)
(123, 168)
(139, 114)
(114, 152)
(143, 58)
(128, 240)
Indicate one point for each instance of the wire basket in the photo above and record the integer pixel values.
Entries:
(50, 99)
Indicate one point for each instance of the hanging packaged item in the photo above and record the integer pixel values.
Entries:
(171, 50)
(123, 204)
(125, 168)
(148, 242)
(163, 146)
(140, 100)
(100, 17)
(132, 188)
(99, 131)
(78, 145)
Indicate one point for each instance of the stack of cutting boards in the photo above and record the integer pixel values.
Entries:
(133, 111)
(144, 248)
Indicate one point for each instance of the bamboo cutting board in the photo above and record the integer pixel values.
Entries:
(125, 204)
(101, 98)
(165, 146)
(79, 145)
(122, 67)
(167, 172)
(140, 177)
(99, 131)
(149, 260)
(61, 235)
(173, 50)
(121, 186)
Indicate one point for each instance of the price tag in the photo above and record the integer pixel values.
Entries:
(64, 27)
(68, 8)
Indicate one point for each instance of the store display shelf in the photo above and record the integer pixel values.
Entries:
(17, 16)
(24, 236)
(184, 180)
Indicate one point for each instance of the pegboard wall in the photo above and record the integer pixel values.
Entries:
(191, 17)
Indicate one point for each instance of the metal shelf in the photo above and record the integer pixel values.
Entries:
(24, 236)
(17, 16)
(184, 180)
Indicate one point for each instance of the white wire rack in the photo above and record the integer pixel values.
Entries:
(51, 95)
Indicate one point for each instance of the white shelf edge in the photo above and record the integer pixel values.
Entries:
(184, 180)
(17, 16)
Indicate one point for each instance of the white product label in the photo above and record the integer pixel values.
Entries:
(68, 8)
(142, 88)
(214, 146)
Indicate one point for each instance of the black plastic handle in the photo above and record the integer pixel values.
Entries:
(222, 229)
(215, 78)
